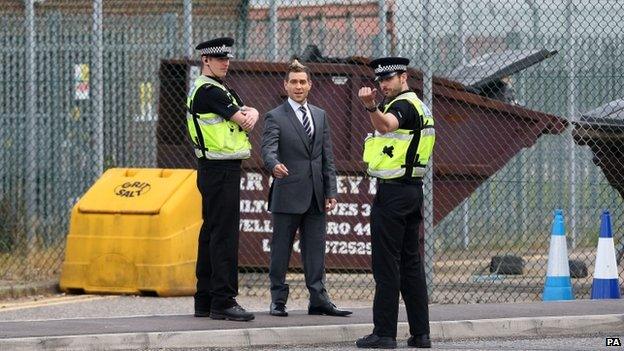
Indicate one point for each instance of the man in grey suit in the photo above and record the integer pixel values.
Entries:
(297, 150)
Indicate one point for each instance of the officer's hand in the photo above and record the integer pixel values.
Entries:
(367, 96)
(250, 117)
(247, 123)
(244, 121)
(254, 115)
(330, 204)
(280, 171)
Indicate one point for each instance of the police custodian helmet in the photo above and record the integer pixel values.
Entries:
(219, 47)
(386, 67)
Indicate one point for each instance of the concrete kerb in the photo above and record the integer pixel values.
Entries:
(527, 326)
(13, 291)
(236, 338)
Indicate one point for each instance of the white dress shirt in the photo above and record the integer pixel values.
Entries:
(295, 106)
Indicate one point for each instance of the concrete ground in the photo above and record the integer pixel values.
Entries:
(89, 322)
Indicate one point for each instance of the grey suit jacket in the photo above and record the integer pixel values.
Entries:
(310, 164)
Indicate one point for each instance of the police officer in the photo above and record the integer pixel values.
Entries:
(218, 123)
(397, 154)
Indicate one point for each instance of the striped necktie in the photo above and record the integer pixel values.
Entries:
(305, 120)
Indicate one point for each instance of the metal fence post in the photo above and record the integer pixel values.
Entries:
(428, 180)
(273, 31)
(383, 40)
(31, 152)
(188, 29)
(571, 114)
(466, 223)
(461, 30)
(98, 101)
(322, 33)
(534, 21)
(461, 36)
(171, 39)
(242, 28)
(295, 35)
(351, 35)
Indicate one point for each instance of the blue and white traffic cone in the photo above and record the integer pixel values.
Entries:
(605, 284)
(558, 285)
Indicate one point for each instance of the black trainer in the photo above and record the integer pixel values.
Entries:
(234, 313)
(373, 341)
(420, 341)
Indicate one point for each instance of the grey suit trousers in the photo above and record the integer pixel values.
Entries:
(312, 246)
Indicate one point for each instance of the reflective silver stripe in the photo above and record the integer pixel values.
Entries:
(213, 155)
(198, 153)
(427, 131)
(206, 121)
(210, 121)
(418, 172)
(386, 173)
(392, 135)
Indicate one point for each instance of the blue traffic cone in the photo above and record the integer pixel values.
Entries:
(558, 285)
(605, 284)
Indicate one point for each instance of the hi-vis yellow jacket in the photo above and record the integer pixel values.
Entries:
(386, 154)
(214, 137)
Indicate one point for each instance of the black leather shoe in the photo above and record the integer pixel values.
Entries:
(234, 313)
(328, 309)
(278, 309)
(373, 341)
(420, 341)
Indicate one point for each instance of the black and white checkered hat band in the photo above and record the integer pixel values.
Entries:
(390, 68)
(216, 50)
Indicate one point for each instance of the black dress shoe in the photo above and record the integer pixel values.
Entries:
(234, 313)
(420, 341)
(278, 309)
(328, 309)
(373, 341)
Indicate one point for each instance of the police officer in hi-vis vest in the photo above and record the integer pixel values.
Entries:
(397, 153)
(218, 123)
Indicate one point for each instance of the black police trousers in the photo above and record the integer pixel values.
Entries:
(396, 262)
(217, 254)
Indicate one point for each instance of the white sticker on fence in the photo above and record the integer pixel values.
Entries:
(81, 81)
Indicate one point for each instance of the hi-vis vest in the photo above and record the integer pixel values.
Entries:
(386, 154)
(214, 137)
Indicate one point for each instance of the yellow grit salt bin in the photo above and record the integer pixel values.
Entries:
(135, 232)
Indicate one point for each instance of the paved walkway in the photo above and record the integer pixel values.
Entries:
(117, 330)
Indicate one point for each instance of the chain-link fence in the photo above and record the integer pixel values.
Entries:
(526, 97)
